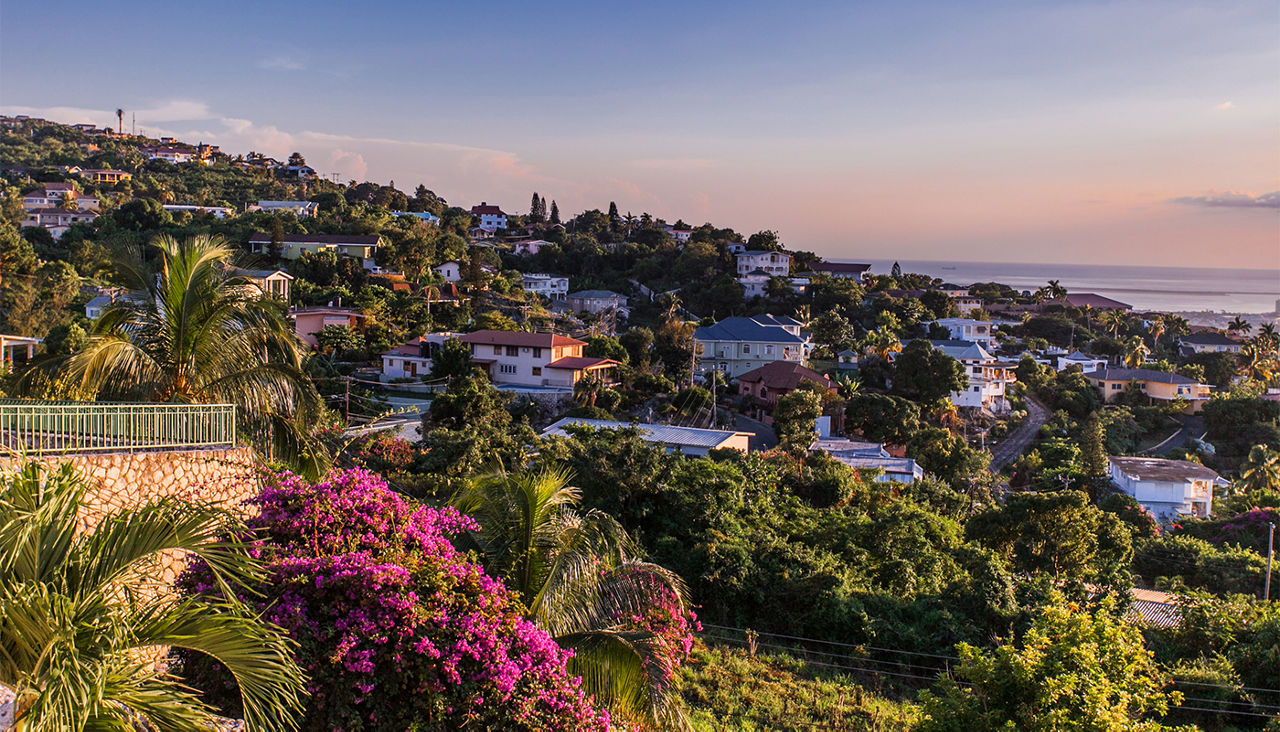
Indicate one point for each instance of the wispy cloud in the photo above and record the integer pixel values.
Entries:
(282, 62)
(1231, 199)
(1225, 106)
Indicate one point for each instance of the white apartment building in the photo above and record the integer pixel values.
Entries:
(735, 346)
(1166, 488)
(967, 329)
(988, 377)
(534, 359)
(775, 264)
(549, 286)
(301, 208)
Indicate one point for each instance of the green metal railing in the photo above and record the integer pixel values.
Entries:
(66, 427)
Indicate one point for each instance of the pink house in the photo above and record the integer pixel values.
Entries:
(307, 322)
(534, 359)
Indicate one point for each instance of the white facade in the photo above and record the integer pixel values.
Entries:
(450, 271)
(53, 195)
(988, 378)
(301, 208)
(491, 218)
(754, 284)
(219, 212)
(965, 329)
(531, 246)
(533, 359)
(776, 264)
(735, 346)
(413, 359)
(681, 440)
(1087, 364)
(1166, 488)
(549, 286)
(681, 235)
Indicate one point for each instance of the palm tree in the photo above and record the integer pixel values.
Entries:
(201, 335)
(1157, 329)
(80, 628)
(1055, 290)
(588, 389)
(1255, 363)
(1239, 325)
(120, 119)
(1267, 337)
(1136, 352)
(1261, 470)
(1112, 320)
(430, 291)
(578, 574)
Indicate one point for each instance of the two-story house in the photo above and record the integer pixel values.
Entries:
(775, 264)
(293, 246)
(529, 247)
(56, 220)
(764, 385)
(309, 321)
(596, 301)
(534, 359)
(104, 175)
(172, 154)
(413, 359)
(737, 345)
(1157, 385)
(1166, 488)
(549, 286)
(988, 377)
(491, 217)
(54, 195)
(966, 329)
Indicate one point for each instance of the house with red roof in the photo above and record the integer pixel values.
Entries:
(491, 217)
(534, 359)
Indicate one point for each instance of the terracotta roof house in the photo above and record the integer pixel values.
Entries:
(491, 218)
(763, 386)
(534, 359)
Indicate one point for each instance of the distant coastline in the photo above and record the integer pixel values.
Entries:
(1183, 289)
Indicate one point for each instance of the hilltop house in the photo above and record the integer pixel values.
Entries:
(450, 271)
(413, 358)
(425, 216)
(219, 212)
(299, 208)
(755, 283)
(965, 329)
(57, 220)
(273, 283)
(1157, 385)
(681, 440)
(293, 246)
(849, 270)
(737, 345)
(549, 286)
(988, 377)
(309, 321)
(105, 175)
(1166, 488)
(870, 456)
(1088, 364)
(596, 301)
(775, 264)
(54, 194)
(534, 359)
(763, 386)
(1207, 343)
(529, 246)
(491, 217)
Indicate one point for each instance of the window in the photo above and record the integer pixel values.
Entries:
(513, 351)
(537, 353)
(507, 368)
(975, 388)
(768, 350)
(497, 350)
(537, 371)
(1115, 387)
(746, 348)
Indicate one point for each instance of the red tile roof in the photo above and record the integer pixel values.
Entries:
(784, 375)
(508, 338)
(485, 208)
(1097, 302)
(840, 267)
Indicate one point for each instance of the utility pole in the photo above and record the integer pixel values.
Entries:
(346, 400)
(713, 399)
(1271, 553)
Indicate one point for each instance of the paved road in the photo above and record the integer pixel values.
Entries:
(762, 435)
(1192, 428)
(1017, 441)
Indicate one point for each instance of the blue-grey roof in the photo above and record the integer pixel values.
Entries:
(594, 295)
(662, 433)
(962, 350)
(890, 465)
(753, 330)
(837, 447)
(1162, 377)
(1209, 339)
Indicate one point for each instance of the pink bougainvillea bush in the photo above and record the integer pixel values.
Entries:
(396, 628)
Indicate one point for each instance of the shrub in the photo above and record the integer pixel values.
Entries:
(396, 628)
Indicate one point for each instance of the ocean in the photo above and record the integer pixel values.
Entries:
(1183, 289)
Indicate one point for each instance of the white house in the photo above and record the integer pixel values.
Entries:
(596, 301)
(451, 271)
(534, 359)
(966, 329)
(53, 195)
(274, 283)
(737, 345)
(967, 303)
(300, 208)
(549, 286)
(1166, 488)
(491, 217)
(683, 440)
(412, 359)
(775, 264)
(1208, 343)
(425, 216)
(56, 220)
(870, 456)
(681, 235)
(172, 154)
(988, 377)
(846, 270)
(530, 246)
(219, 212)
(1088, 364)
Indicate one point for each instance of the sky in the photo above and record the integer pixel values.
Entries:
(1143, 132)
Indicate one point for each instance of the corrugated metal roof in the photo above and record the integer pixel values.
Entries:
(661, 433)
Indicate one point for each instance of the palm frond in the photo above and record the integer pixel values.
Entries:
(614, 666)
